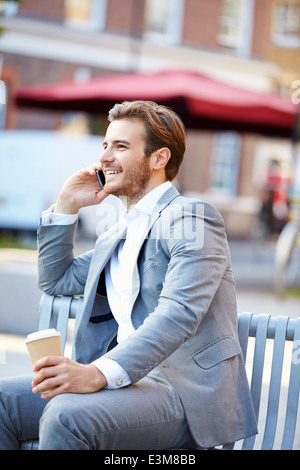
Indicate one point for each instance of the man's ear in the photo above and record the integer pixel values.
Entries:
(161, 158)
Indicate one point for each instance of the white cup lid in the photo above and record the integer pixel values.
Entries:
(42, 334)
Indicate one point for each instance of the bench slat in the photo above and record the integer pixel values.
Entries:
(46, 307)
(293, 395)
(275, 383)
(257, 371)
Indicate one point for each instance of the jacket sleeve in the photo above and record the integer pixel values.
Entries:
(59, 273)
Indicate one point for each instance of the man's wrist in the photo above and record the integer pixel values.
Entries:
(65, 206)
(100, 381)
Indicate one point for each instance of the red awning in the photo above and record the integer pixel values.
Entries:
(200, 101)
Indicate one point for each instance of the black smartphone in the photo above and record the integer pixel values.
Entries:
(100, 178)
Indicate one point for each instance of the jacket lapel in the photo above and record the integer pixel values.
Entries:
(164, 201)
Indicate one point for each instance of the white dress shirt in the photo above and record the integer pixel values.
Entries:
(119, 274)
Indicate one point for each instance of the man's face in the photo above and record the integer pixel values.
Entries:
(126, 168)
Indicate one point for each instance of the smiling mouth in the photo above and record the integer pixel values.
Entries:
(112, 172)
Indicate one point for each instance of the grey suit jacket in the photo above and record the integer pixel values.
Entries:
(184, 312)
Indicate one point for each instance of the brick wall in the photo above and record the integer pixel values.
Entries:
(125, 16)
(52, 10)
(201, 22)
(262, 25)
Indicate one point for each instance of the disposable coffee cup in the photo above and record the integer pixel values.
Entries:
(43, 343)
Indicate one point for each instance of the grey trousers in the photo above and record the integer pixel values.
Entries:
(147, 415)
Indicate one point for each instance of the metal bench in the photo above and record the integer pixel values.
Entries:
(271, 349)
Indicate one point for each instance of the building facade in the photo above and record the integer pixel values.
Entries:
(254, 44)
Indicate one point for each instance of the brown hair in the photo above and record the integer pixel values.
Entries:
(163, 127)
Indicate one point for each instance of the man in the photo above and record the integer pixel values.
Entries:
(158, 363)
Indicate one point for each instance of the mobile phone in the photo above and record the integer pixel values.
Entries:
(100, 178)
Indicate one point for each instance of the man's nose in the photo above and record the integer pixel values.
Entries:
(106, 156)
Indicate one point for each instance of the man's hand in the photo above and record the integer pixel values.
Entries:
(67, 376)
(80, 190)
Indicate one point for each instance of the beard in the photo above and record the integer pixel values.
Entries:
(132, 182)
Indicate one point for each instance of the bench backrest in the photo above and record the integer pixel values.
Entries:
(271, 349)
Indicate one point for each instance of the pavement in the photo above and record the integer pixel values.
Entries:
(253, 267)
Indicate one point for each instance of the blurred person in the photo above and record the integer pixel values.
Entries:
(158, 363)
(274, 211)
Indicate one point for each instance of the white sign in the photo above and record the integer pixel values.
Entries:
(33, 167)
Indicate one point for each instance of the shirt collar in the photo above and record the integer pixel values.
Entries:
(147, 204)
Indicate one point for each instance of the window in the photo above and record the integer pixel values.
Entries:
(230, 23)
(286, 25)
(236, 26)
(85, 14)
(163, 20)
(225, 163)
